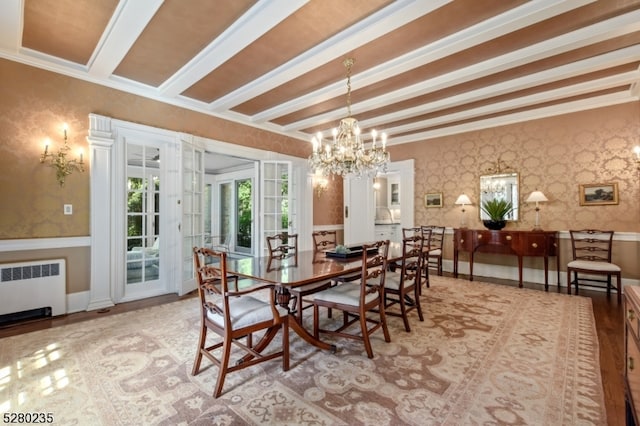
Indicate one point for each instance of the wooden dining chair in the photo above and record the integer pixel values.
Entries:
(434, 259)
(283, 245)
(402, 286)
(591, 250)
(324, 240)
(235, 315)
(426, 232)
(202, 256)
(357, 299)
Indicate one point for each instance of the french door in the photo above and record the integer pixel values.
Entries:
(192, 226)
(233, 212)
(144, 207)
(279, 201)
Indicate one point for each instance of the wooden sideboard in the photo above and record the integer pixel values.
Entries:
(517, 243)
(632, 353)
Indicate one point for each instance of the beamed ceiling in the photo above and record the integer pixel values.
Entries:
(424, 68)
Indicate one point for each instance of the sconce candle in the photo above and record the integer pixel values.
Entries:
(58, 160)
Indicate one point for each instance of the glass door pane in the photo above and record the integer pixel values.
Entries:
(278, 216)
(143, 217)
(244, 219)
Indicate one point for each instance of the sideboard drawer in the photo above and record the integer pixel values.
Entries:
(504, 238)
(535, 244)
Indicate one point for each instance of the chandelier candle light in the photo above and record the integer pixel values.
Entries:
(347, 154)
(59, 161)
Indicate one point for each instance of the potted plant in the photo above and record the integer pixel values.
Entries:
(497, 210)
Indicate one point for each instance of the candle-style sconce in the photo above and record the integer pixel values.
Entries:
(58, 160)
(636, 151)
(320, 183)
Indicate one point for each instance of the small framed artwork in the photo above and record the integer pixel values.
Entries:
(599, 194)
(433, 199)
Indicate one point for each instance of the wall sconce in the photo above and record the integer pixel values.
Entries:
(536, 197)
(636, 150)
(58, 160)
(320, 183)
(463, 200)
(376, 185)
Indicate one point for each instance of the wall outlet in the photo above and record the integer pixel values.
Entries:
(68, 209)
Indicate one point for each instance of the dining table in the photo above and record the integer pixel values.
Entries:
(307, 267)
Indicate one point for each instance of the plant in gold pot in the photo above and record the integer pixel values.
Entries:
(497, 210)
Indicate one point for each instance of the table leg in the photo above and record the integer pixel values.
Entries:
(558, 268)
(546, 273)
(455, 263)
(283, 297)
(520, 272)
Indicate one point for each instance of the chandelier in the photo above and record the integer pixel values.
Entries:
(346, 154)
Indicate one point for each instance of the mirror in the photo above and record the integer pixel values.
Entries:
(500, 186)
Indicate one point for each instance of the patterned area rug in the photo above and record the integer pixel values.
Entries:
(485, 354)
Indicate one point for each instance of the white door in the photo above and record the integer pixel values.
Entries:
(359, 210)
(145, 269)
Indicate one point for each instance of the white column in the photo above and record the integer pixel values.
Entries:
(101, 141)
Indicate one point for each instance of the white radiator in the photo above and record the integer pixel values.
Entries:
(33, 285)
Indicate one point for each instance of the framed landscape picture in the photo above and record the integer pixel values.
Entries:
(433, 199)
(599, 194)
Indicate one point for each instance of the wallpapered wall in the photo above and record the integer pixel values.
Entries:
(553, 155)
(35, 104)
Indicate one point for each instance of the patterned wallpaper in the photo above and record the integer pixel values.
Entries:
(36, 103)
(327, 207)
(553, 155)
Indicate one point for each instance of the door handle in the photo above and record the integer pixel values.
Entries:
(346, 211)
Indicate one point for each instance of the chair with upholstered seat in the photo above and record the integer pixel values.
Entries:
(402, 286)
(235, 315)
(322, 241)
(358, 298)
(434, 259)
(591, 265)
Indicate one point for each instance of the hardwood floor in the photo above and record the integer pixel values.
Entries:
(607, 312)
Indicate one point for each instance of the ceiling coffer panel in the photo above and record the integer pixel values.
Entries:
(68, 29)
(175, 35)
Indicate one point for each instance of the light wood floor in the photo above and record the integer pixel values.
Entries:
(607, 312)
